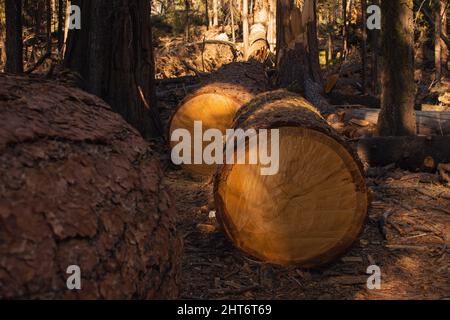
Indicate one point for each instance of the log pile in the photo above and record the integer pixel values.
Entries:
(217, 100)
(314, 208)
(79, 186)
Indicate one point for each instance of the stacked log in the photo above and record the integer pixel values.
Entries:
(79, 187)
(314, 208)
(217, 101)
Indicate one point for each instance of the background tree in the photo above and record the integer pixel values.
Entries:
(397, 116)
(113, 54)
(14, 44)
(297, 50)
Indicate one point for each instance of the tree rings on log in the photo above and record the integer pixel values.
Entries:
(314, 208)
(216, 103)
(80, 187)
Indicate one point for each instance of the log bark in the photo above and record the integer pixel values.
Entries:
(216, 102)
(80, 187)
(428, 122)
(408, 152)
(309, 212)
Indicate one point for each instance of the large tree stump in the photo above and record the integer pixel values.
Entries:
(79, 186)
(217, 101)
(314, 208)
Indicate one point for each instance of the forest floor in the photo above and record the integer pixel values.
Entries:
(407, 235)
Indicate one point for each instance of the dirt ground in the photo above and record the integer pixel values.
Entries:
(407, 234)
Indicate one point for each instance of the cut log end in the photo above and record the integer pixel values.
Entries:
(214, 110)
(313, 208)
(308, 213)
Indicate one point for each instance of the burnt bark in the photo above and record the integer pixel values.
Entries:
(397, 75)
(113, 54)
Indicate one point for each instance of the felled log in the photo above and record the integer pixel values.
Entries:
(428, 122)
(259, 47)
(313, 208)
(79, 186)
(217, 101)
(409, 152)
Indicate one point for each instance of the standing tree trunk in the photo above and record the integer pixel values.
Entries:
(397, 115)
(61, 13)
(437, 40)
(215, 13)
(272, 28)
(297, 50)
(245, 29)
(208, 22)
(113, 54)
(14, 44)
(344, 28)
(49, 25)
(363, 44)
(375, 52)
(233, 32)
(187, 8)
(445, 54)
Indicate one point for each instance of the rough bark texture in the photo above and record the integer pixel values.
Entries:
(265, 216)
(297, 50)
(79, 186)
(14, 45)
(113, 54)
(397, 73)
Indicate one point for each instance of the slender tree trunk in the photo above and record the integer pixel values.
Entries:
(245, 28)
(397, 116)
(272, 28)
(445, 53)
(208, 21)
(344, 30)
(187, 9)
(49, 24)
(215, 13)
(14, 44)
(363, 44)
(61, 13)
(329, 49)
(233, 32)
(437, 40)
(375, 52)
(113, 54)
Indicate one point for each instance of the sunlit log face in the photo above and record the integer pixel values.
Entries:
(308, 213)
(215, 111)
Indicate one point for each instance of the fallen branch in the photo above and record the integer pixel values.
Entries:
(39, 62)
